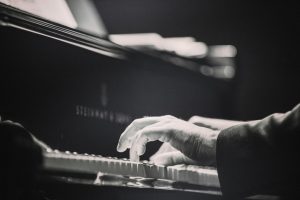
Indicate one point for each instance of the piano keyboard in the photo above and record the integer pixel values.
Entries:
(67, 161)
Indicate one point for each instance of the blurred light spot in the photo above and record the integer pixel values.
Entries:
(225, 72)
(206, 70)
(222, 51)
(182, 46)
(185, 46)
(137, 39)
(229, 71)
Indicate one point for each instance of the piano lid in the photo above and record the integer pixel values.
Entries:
(216, 68)
(53, 10)
(18, 17)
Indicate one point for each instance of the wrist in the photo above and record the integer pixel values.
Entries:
(212, 147)
(206, 148)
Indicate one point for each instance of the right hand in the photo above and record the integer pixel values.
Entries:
(193, 143)
(168, 155)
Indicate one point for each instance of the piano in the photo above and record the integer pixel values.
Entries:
(77, 91)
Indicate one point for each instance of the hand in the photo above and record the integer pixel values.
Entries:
(194, 143)
(36, 141)
(20, 154)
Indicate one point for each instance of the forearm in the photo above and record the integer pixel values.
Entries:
(260, 156)
(216, 124)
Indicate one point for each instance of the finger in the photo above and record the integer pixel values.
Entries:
(149, 133)
(13, 123)
(126, 136)
(138, 124)
(172, 158)
(164, 148)
(204, 122)
(212, 123)
(133, 155)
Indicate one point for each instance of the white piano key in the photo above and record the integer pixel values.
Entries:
(162, 172)
(127, 168)
(134, 170)
(141, 170)
(181, 173)
(171, 172)
(153, 171)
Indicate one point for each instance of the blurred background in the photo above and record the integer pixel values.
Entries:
(266, 35)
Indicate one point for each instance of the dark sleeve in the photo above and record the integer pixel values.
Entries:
(21, 160)
(260, 157)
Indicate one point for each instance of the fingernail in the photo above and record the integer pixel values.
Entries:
(120, 149)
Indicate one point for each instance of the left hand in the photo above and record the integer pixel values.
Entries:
(36, 141)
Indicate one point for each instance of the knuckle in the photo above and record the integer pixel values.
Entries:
(193, 118)
(136, 122)
(143, 138)
(139, 135)
(170, 116)
(169, 127)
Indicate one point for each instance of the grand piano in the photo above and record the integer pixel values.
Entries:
(76, 90)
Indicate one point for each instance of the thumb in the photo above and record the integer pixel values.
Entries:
(172, 158)
(164, 148)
